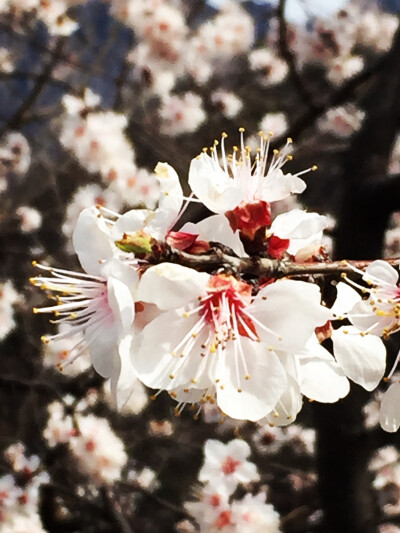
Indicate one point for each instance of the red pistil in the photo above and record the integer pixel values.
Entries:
(224, 519)
(230, 465)
(237, 295)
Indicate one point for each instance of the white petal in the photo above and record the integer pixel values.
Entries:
(171, 199)
(277, 186)
(154, 360)
(346, 298)
(363, 359)
(104, 350)
(124, 376)
(382, 271)
(322, 379)
(389, 415)
(170, 286)
(303, 229)
(260, 393)
(288, 406)
(291, 310)
(92, 241)
(363, 318)
(212, 185)
(121, 303)
(131, 221)
(216, 228)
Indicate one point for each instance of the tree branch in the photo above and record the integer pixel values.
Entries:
(258, 266)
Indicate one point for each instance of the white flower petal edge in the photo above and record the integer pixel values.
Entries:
(322, 379)
(123, 377)
(212, 185)
(291, 310)
(381, 272)
(92, 241)
(303, 229)
(362, 357)
(156, 223)
(259, 394)
(170, 286)
(346, 299)
(389, 416)
(288, 406)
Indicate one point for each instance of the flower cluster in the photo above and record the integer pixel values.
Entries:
(19, 492)
(176, 308)
(225, 467)
(99, 452)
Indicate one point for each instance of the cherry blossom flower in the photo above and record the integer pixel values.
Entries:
(236, 336)
(222, 187)
(379, 314)
(226, 465)
(99, 304)
(100, 453)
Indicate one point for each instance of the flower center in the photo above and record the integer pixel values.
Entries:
(224, 309)
(229, 466)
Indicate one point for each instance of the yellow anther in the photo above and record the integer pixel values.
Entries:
(241, 130)
(314, 167)
(35, 310)
(185, 314)
(171, 376)
(44, 339)
(224, 135)
(289, 140)
(213, 348)
(247, 377)
(34, 263)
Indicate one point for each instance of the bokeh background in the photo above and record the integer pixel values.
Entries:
(92, 95)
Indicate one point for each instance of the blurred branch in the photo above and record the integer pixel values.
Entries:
(336, 98)
(17, 119)
(290, 58)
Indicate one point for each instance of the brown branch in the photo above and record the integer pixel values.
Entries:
(258, 266)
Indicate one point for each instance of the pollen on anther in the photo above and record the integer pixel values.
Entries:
(314, 167)
(44, 339)
(171, 376)
(193, 380)
(185, 314)
(34, 263)
(241, 130)
(247, 377)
